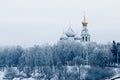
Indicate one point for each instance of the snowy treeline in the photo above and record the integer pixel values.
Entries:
(52, 61)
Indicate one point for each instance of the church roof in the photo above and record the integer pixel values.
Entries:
(85, 34)
(77, 37)
(70, 32)
(63, 37)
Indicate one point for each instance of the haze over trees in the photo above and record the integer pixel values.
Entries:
(56, 60)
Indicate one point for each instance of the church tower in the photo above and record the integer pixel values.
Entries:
(85, 36)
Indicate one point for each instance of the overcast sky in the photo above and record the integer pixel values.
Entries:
(29, 22)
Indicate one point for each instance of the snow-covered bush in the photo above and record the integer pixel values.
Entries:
(98, 73)
(10, 73)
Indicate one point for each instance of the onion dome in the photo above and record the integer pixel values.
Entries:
(63, 37)
(84, 22)
(70, 32)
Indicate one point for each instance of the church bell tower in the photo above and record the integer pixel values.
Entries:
(85, 36)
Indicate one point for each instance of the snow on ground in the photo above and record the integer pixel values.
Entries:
(16, 79)
(23, 79)
(2, 75)
(28, 79)
(117, 79)
(117, 74)
(70, 69)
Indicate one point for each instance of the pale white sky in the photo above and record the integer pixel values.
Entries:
(29, 22)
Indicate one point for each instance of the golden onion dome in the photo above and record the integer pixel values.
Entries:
(84, 22)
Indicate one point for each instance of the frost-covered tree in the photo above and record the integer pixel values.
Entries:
(53, 60)
(116, 51)
(100, 57)
(98, 73)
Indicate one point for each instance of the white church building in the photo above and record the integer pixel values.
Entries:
(71, 35)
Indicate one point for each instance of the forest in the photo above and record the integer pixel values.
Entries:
(64, 60)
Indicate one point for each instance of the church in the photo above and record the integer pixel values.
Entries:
(73, 36)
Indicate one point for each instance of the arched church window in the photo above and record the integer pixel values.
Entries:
(83, 38)
(86, 38)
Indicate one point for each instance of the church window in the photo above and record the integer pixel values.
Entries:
(83, 38)
(86, 38)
